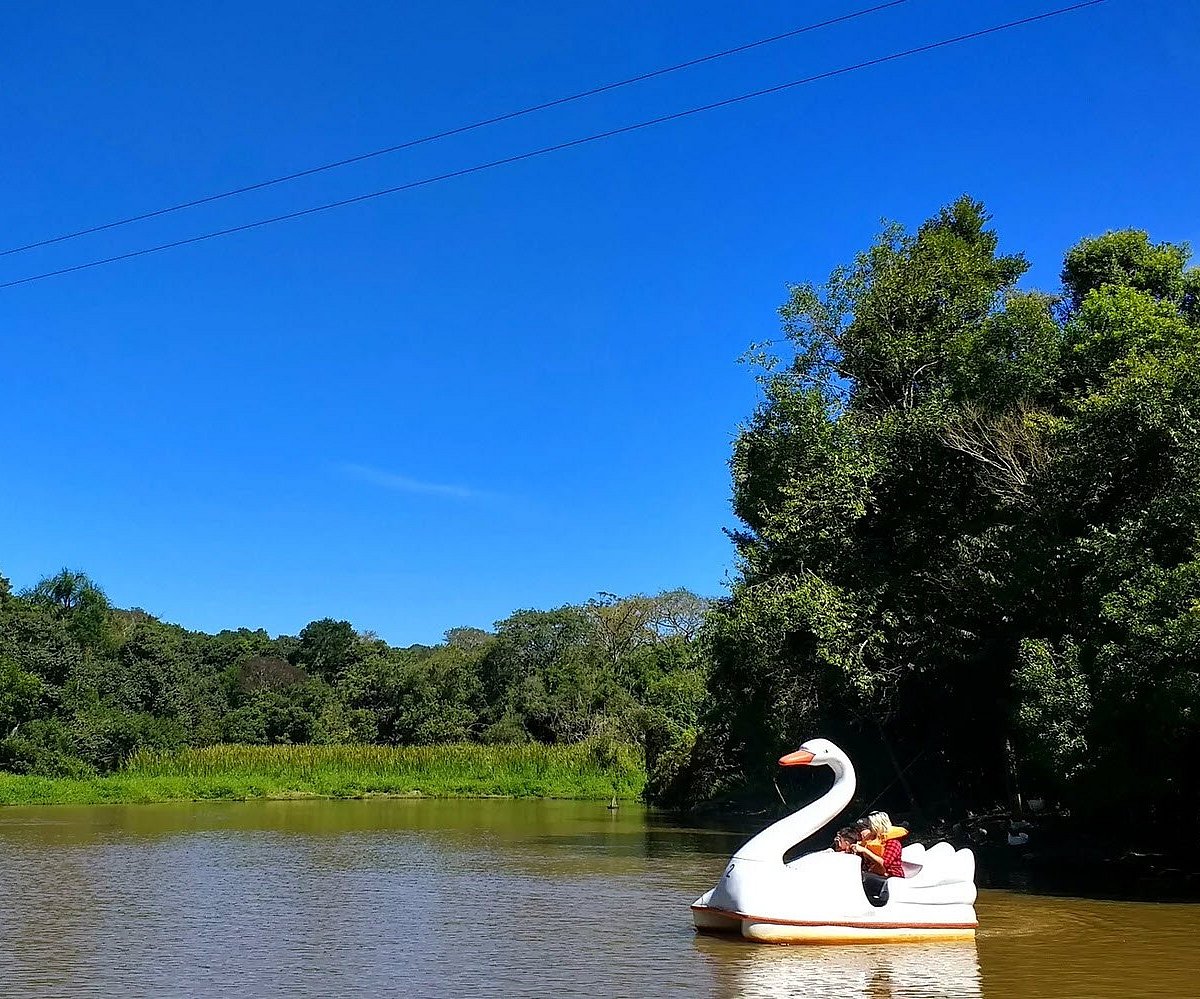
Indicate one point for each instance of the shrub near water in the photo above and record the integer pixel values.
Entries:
(580, 770)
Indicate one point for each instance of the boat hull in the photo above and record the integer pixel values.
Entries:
(709, 919)
(820, 898)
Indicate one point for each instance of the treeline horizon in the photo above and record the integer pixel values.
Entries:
(969, 553)
(84, 684)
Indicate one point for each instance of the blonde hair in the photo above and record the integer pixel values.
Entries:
(881, 823)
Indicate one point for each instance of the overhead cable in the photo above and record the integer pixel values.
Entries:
(450, 132)
(558, 147)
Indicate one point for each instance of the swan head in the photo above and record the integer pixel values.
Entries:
(814, 753)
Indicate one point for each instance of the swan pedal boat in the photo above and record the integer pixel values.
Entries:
(819, 898)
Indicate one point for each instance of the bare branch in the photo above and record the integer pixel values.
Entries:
(1009, 450)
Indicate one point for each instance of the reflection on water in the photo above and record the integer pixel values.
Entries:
(499, 898)
(948, 970)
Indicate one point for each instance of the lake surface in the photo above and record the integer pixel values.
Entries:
(421, 898)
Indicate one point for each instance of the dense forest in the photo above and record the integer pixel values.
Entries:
(84, 684)
(968, 551)
(971, 531)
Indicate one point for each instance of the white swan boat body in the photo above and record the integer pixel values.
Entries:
(819, 897)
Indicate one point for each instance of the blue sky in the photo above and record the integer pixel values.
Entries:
(518, 388)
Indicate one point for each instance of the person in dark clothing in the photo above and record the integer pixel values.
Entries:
(874, 875)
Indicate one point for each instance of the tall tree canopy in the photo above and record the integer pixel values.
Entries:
(971, 524)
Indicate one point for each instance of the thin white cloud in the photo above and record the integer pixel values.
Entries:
(403, 484)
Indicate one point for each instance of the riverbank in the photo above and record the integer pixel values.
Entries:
(583, 771)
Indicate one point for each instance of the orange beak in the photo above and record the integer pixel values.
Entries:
(800, 758)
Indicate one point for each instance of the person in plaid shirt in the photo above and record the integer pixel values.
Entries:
(881, 841)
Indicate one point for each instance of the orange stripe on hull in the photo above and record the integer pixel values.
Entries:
(812, 938)
(746, 918)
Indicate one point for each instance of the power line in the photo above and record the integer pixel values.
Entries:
(557, 147)
(458, 130)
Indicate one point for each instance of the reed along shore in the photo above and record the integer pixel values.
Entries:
(585, 770)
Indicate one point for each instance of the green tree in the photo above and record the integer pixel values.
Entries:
(21, 697)
(82, 604)
(971, 521)
(66, 591)
(327, 647)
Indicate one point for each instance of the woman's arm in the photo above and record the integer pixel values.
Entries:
(866, 854)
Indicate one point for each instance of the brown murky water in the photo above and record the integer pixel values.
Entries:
(472, 898)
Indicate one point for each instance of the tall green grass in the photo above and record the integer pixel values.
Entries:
(581, 770)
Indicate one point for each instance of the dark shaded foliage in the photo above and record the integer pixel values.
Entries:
(971, 542)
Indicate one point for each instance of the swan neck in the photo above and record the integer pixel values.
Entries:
(774, 841)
